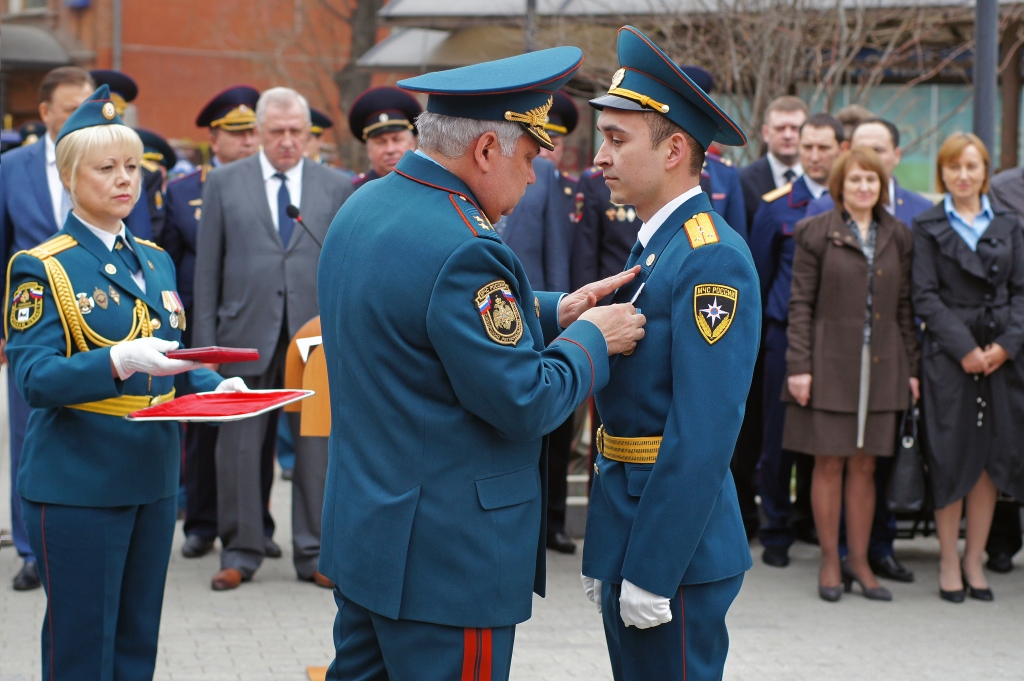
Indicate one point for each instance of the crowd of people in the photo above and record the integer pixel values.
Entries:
(874, 300)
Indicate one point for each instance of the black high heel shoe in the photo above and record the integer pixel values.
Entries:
(877, 593)
(975, 593)
(956, 596)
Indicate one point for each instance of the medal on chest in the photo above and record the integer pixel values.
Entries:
(172, 303)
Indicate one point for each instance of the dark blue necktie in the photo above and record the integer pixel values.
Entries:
(285, 225)
(627, 290)
(127, 255)
(634, 254)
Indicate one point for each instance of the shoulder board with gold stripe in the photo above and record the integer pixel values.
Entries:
(476, 221)
(777, 193)
(52, 247)
(700, 230)
(146, 242)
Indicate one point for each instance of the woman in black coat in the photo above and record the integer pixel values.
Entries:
(968, 288)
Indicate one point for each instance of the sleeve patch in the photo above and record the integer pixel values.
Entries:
(700, 230)
(714, 308)
(499, 312)
(26, 305)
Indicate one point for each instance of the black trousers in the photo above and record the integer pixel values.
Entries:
(1005, 536)
(559, 446)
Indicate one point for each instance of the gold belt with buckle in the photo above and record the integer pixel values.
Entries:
(123, 405)
(628, 449)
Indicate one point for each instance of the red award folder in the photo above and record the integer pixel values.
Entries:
(219, 407)
(215, 354)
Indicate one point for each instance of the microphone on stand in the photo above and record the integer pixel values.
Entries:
(293, 212)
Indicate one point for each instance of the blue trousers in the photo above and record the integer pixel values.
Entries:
(371, 647)
(103, 570)
(692, 647)
(18, 412)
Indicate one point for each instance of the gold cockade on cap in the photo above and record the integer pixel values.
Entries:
(534, 119)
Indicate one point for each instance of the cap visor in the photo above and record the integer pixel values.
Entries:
(616, 102)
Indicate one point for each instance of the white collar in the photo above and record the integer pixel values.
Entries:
(648, 229)
(779, 168)
(423, 154)
(103, 235)
(815, 188)
(294, 173)
(51, 149)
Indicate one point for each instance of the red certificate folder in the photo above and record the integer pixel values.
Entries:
(215, 354)
(219, 407)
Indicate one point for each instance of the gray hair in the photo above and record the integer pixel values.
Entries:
(283, 97)
(450, 136)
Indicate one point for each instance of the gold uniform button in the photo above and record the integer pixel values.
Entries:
(110, 269)
(597, 471)
(155, 323)
(650, 260)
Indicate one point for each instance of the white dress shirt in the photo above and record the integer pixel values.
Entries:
(59, 198)
(779, 170)
(892, 197)
(648, 229)
(816, 189)
(109, 240)
(273, 185)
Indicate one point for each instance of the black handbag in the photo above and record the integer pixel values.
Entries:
(907, 484)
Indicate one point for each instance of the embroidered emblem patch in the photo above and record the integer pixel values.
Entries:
(714, 308)
(499, 313)
(26, 305)
(700, 230)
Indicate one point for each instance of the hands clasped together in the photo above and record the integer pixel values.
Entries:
(979, 361)
(620, 324)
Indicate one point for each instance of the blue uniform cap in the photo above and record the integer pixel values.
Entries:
(518, 89)
(233, 109)
(701, 77)
(319, 121)
(122, 88)
(156, 149)
(649, 81)
(97, 110)
(31, 132)
(564, 115)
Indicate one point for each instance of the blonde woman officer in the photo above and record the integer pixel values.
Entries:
(90, 314)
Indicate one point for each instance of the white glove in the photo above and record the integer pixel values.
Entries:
(145, 355)
(232, 385)
(642, 609)
(592, 587)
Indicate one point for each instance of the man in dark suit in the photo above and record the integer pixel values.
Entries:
(231, 120)
(255, 286)
(33, 206)
(781, 134)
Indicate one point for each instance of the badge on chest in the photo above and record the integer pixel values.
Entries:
(172, 303)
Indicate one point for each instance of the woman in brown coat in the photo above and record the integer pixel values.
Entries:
(851, 330)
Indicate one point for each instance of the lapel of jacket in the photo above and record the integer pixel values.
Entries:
(950, 244)
(121, 276)
(254, 184)
(38, 181)
(886, 231)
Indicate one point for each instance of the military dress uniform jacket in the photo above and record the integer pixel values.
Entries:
(771, 245)
(72, 299)
(726, 193)
(677, 522)
(181, 225)
(446, 370)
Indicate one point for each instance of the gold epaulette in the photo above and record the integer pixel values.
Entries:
(146, 242)
(700, 230)
(151, 166)
(777, 193)
(52, 247)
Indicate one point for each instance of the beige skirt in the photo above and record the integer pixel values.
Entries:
(830, 433)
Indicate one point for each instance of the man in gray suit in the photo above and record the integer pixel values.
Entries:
(255, 285)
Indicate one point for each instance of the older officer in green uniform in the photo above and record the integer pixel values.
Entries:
(665, 546)
(89, 315)
(446, 370)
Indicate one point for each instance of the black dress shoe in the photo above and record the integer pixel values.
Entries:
(561, 542)
(975, 593)
(776, 556)
(196, 546)
(28, 577)
(271, 549)
(890, 568)
(1000, 562)
(953, 596)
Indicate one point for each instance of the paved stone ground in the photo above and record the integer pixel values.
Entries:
(275, 626)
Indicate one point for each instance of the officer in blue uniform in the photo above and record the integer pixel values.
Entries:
(446, 370)
(123, 90)
(665, 547)
(158, 157)
(384, 119)
(88, 317)
(230, 118)
(771, 244)
(562, 120)
(319, 123)
(31, 132)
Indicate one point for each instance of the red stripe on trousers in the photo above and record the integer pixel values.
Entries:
(682, 617)
(477, 655)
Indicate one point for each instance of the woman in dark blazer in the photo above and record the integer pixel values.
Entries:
(969, 292)
(851, 330)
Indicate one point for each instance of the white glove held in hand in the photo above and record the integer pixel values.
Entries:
(642, 609)
(592, 587)
(145, 355)
(232, 385)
